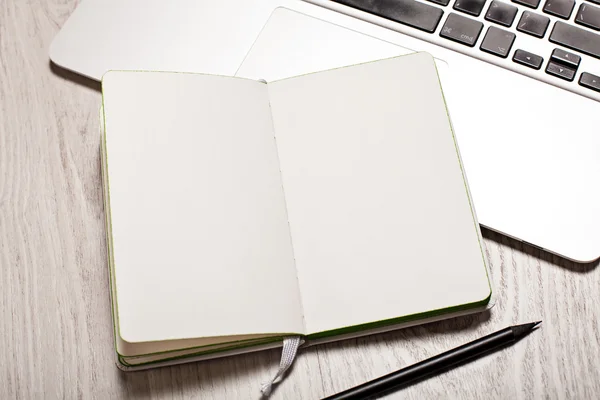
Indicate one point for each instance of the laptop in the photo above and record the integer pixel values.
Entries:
(524, 98)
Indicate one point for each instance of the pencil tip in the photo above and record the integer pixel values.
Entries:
(522, 330)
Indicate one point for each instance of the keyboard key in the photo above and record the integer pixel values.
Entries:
(590, 81)
(407, 12)
(559, 8)
(566, 58)
(529, 3)
(588, 16)
(528, 59)
(472, 7)
(497, 41)
(576, 38)
(501, 13)
(440, 2)
(595, 1)
(560, 71)
(533, 24)
(461, 29)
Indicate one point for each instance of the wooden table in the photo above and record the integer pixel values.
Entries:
(55, 323)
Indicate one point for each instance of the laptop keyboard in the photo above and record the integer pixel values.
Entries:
(568, 31)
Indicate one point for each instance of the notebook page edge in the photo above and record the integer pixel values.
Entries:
(117, 327)
(481, 299)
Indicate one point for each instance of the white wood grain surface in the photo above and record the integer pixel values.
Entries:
(55, 326)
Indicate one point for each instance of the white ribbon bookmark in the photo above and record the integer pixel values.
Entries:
(288, 354)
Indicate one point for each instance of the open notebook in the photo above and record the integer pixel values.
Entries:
(324, 206)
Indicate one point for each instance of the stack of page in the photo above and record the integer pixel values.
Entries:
(324, 206)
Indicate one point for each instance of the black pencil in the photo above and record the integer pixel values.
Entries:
(439, 363)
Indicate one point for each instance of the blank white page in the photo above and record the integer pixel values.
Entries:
(200, 232)
(380, 218)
